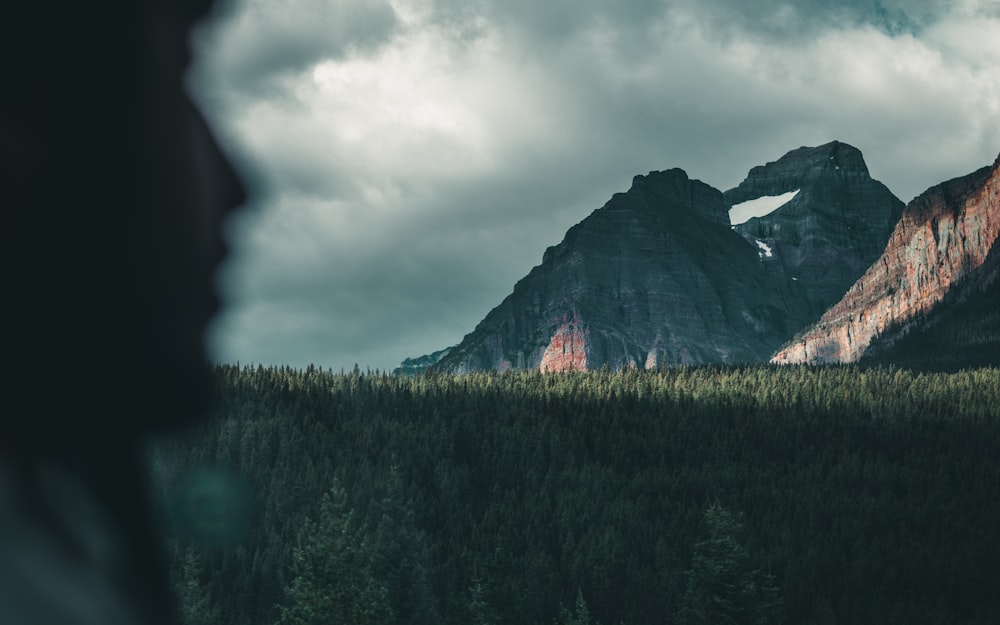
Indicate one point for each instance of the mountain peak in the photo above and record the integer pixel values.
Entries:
(834, 226)
(801, 167)
(672, 190)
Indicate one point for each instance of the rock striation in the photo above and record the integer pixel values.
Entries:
(658, 276)
(943, 241)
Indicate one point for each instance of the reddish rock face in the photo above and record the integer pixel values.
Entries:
(944, 236)
(567, 351)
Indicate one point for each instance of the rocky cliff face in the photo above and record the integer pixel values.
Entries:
(940, 244)
(658, 276)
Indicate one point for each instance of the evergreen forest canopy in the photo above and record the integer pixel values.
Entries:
(812, 495)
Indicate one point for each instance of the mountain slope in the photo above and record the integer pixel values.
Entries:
(658, 276)
(944, 244)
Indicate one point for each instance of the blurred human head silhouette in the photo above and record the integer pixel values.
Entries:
(113, 193)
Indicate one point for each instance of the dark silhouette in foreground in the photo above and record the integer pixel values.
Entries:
(113, 194)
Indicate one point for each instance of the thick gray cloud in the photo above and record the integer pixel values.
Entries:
(413, 159)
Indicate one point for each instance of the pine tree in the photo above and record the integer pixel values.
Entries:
(332, 582)
(580, 614)
(193, 602)
(480, 608)
(399, 553)
(722, 588)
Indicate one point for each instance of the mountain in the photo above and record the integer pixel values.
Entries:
(660, 276)
(939, 266)
(656, 276)
(829, 233)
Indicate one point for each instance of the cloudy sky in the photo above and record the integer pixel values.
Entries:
(411, 159)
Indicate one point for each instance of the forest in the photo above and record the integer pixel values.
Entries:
(695, 495)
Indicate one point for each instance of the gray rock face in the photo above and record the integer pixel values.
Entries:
(658, 276)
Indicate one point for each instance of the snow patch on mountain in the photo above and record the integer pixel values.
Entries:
(744, 211)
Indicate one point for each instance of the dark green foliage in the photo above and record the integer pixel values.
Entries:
(399, 556)
(332, 581)
(480, 609)
(722, 586)
(870, 495)
(195, 605)
(579, 615)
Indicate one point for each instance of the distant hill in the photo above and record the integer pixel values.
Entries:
(412, 366)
